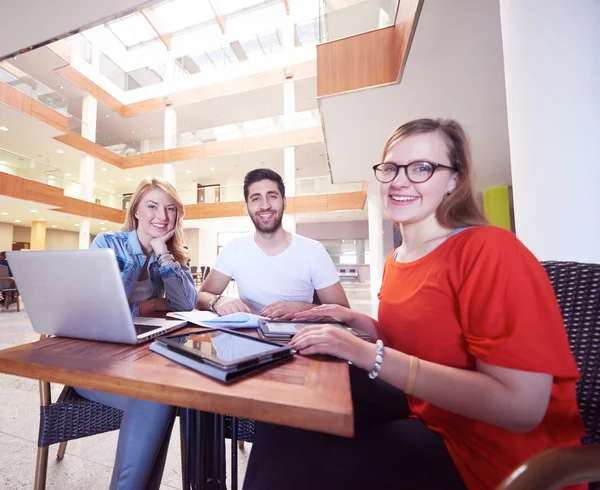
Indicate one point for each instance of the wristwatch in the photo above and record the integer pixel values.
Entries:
(212, 302)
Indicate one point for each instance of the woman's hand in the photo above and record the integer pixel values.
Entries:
(334, 341)
(159, 244)
(326, 313)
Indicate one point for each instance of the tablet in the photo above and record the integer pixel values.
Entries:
(285, 330)
(227, 350)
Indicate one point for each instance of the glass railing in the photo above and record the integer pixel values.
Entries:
(27, 168)
(306, 186)
(351, 17)
(31, 87)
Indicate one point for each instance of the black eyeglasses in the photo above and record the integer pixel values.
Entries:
(416, 172)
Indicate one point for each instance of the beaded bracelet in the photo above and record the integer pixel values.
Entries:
(164, 257)
(378, 360)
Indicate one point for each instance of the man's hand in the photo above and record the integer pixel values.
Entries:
(284, 310)
(326, 313)
(227, 306)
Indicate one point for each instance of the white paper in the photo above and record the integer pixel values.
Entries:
(210, 319)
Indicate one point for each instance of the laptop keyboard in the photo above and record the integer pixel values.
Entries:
(141, 329)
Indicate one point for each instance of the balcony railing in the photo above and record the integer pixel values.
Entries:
(305, 186)
(31, 87)
(27, 168)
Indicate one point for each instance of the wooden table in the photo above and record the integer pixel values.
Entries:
(307, 393)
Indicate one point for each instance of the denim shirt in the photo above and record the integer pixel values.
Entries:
(172, 280)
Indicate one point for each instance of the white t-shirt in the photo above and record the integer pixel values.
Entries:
(293, 275)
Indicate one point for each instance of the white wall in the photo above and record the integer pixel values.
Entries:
(6, 236)
(21, 234)
(61, 240)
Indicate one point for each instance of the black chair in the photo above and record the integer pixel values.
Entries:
(577, 288)
(8, 288)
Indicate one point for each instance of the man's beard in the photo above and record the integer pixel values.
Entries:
(270, 227)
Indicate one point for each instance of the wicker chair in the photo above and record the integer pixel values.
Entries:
(577, 288)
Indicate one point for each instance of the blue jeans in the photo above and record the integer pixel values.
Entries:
(143, 440)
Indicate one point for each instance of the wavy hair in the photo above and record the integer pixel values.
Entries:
(176, 243)
(459, 208)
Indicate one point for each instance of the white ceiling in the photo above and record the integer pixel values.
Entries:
(31, 22)
(455, 69)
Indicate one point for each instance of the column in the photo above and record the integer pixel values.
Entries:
(375, 238)
(89, 113)
(170, 141)
(289, 110)
(38, 235)
(553, 102)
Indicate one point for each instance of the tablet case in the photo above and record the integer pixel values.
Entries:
(208, 369)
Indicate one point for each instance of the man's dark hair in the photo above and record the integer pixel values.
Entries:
(259, 174)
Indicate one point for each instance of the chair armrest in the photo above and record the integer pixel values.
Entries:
(11, 279)
(555, 469)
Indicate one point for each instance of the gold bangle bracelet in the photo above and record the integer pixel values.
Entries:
(412, 375)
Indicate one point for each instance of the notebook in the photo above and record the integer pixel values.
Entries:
(210, 319)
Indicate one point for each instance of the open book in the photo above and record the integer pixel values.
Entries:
(210, 319)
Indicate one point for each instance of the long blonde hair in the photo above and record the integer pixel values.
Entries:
(460, 208)
(176, 243)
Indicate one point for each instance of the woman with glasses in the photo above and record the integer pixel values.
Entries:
(469, 372)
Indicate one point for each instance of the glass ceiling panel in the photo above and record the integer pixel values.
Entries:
(226, 7)
(256, 21)
(132, 30)
(308, 31)
(177, 15)
(305, 9)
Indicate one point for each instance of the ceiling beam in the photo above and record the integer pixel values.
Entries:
(287, 6)
(219, 18)
(154, 22)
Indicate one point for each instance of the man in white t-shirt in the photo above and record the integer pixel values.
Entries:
(276, 273)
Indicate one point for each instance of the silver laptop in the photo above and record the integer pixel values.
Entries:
(79, 293)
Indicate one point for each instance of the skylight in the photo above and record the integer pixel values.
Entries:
(178, 15)
(226, 7)
(132, 30)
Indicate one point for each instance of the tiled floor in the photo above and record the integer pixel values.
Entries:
(88, 462)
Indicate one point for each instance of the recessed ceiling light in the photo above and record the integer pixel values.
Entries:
(60, 151)
(76, 224)
(107, 115)
(60, 87)
(133, 132)
(94, 183)
(188, 171)
(103, 169)
(212, 168)
(17, 221)
(4, 214)
(148, 176)
(41, 219)
(67, 175)
(33, 210)
(111, 181)
(102, 229)
(127, 179)
(150, 129)
(101, 222)
(50, 176)
(2, 162)
(3, 128)
(53, 226)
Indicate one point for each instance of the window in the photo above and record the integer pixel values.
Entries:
(348, 251)
(132, 30)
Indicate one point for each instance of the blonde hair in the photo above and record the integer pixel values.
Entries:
(460, 207)
(175, 244)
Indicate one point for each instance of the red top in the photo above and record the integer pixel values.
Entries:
(482, 295)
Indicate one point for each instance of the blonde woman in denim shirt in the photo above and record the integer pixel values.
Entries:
(151, 257)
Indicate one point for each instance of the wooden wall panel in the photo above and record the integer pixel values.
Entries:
(43, 113)
(80, 143)
(84, 83)
(368, 59)
(11, 97)
(356, 62)
(30, 190)
(346, 200)
(215, 210)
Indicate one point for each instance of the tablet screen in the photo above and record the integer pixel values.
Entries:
(226, 346)
(285, 327)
